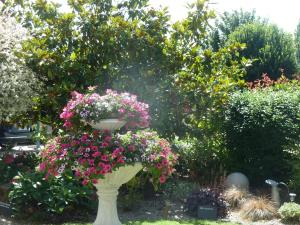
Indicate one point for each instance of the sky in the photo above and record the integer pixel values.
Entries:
(284, 13)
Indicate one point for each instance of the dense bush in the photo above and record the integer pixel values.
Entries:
(290, 212)
(179, 190)
(13, 163)
(201, 159)
(206, 197)
(262, 126)
(35, 197)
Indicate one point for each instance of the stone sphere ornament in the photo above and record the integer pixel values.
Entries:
(237, 180)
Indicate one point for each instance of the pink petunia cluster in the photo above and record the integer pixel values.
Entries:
(92, 155)
(94, 107)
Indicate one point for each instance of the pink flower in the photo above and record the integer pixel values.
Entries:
(158, 166)
(95, 181)
(85, 182)
(104, 144)
(121, 160)
(67, 124)
(121, 110)
(101, 164)
(104, 158)
(84, 137)
(107, 139)
(42, 166)
(94, 148)
(165, 162)
(107, 167)
(8, 159)
(66, 115)
(77, 173)
(96, 154)
(162, 179)
(91, 162)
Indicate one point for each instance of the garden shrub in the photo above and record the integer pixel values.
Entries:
(179, 190)
(262, 126)
(290, 212)
(255, 209)
(34, 197)
(201, 159)
(236, 196)
(206, 197)
(18, 84)
(11, 163)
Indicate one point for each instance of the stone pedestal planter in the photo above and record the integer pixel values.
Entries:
(107, 191)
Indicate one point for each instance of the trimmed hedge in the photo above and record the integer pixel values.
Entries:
(262, 126)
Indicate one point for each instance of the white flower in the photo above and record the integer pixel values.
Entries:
(18, 83)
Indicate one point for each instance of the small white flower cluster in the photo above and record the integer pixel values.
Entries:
(18, 84)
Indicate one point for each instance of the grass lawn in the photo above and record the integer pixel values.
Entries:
(168, 222)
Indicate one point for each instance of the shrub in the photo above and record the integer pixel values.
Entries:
(201, 159)
(18, 84)
(13, 163)
(236, 196)
(290, 212)
(179, 189)
(262, 126)
(206, 197)
(255, 209)
(32, 196)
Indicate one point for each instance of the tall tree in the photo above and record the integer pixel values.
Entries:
(272, 50)
(228, 22)
(124, 45)
(297, 41)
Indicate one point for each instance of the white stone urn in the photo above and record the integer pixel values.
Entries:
(107, 188)
(108, 124)
(107, 191)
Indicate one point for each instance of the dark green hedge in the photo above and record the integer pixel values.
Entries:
(262, 127)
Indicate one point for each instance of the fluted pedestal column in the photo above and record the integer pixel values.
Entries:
(107, 191)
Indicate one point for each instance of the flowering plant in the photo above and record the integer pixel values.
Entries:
(93, 107)
(92, 155)
(18, 84)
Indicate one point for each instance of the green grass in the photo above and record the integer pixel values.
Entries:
(168, 222)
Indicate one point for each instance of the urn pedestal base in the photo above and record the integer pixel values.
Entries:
(107, 191)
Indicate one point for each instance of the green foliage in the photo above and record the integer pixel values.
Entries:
(290, 212)
(128, 46)
(228, 23)
(33, 196)
(297, 41)
(271, 49)
(201, 158)
(262, 126)
(207, 82)
(13, 163)
(178, 190)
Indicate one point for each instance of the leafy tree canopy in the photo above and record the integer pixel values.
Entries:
(272, 50)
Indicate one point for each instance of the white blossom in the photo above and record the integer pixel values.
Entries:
(18, 84)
